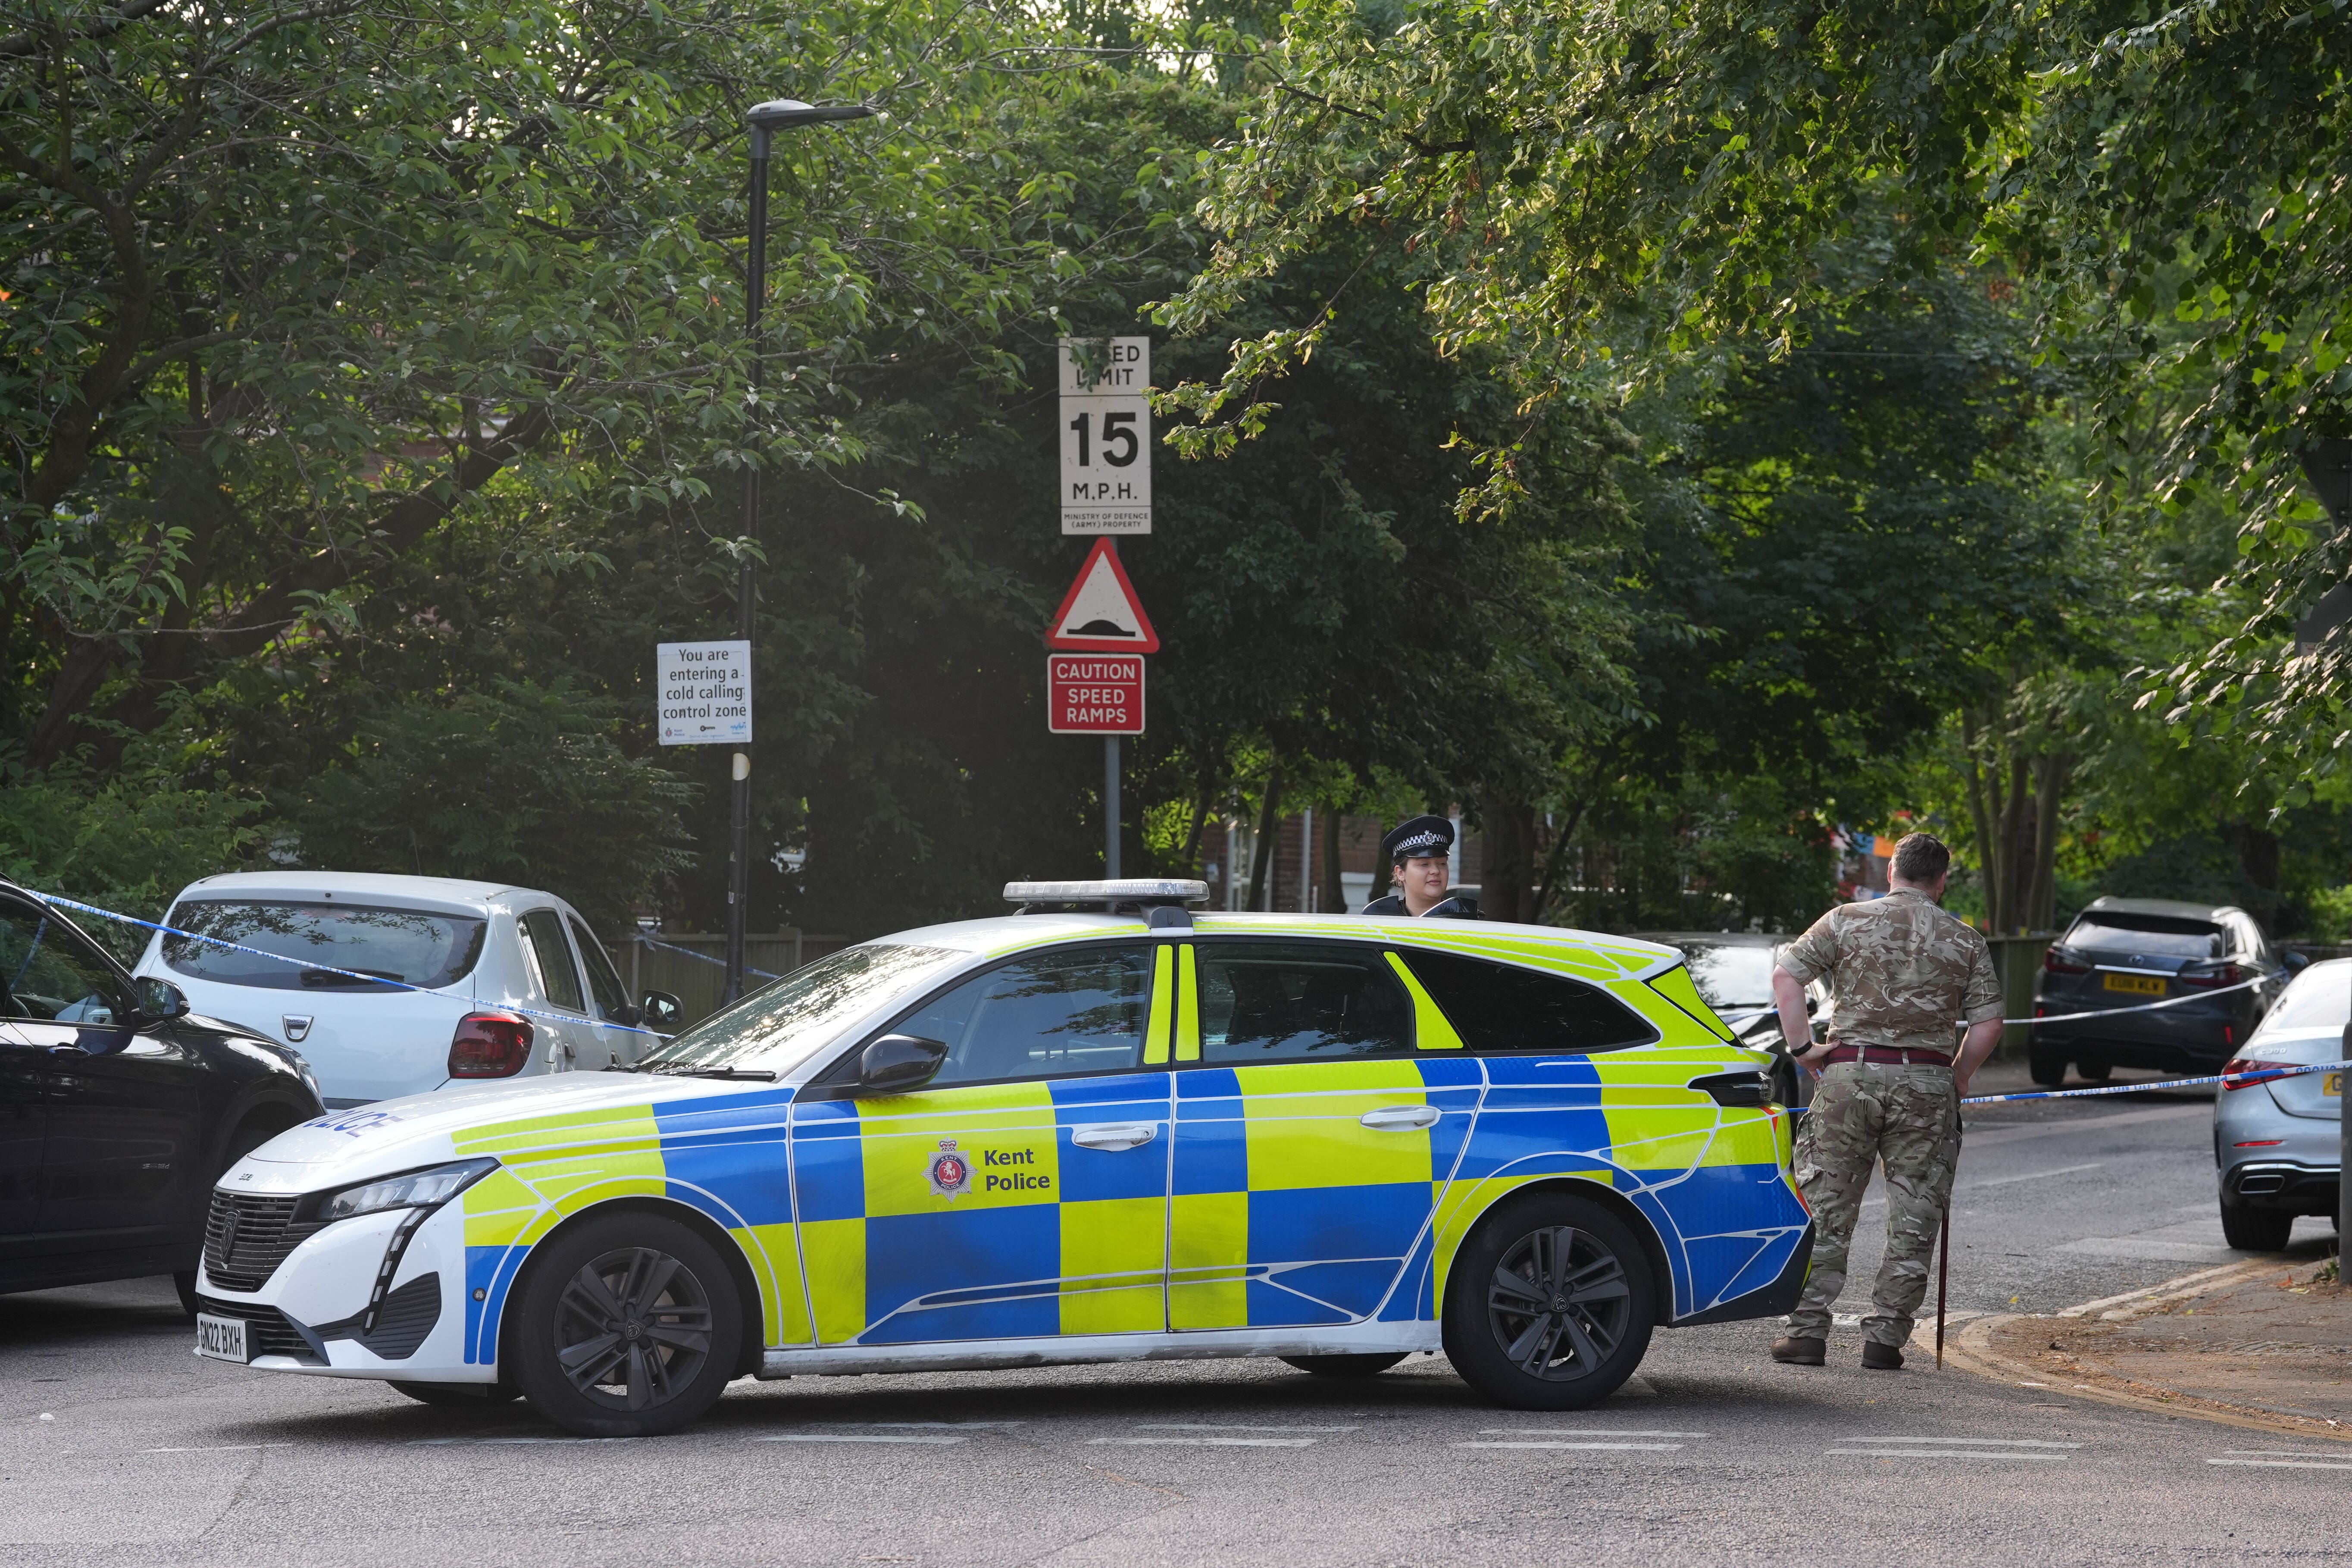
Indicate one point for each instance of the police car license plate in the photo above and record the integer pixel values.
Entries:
(2137, 985)
(222, 1338)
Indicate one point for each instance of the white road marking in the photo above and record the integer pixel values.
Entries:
(2186, 1285)
(504, 1442)
(1971, 1442)
(2032, 1176)
(1579, 1432)
(1228, 1426)
(2285, 1459)
(931, 1437)
(1643, 1447)
(1205, 1442)
(226, 1448)
(942, 1425)
(1940, 1454)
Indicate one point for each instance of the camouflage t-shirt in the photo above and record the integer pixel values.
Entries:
(1902, 972)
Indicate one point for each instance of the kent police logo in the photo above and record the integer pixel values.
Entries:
(950, 1172)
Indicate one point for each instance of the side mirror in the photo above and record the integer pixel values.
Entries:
(898, 1062)
(160, 1002)
(2296, 962)
(659, 1010)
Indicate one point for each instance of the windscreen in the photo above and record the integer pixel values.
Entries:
(1730, 978)
(2319, 998)
(417, 947)
(2158, 935)
(779, 1024)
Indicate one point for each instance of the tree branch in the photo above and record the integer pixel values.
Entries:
(18, 46)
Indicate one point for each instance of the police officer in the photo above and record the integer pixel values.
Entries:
(1903, 974)
(1415, 851)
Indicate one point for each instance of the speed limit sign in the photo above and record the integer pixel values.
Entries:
(1106, 436)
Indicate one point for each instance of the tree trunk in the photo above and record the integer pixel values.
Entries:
(1507, 888)
(1335, 892)
(1270, 829)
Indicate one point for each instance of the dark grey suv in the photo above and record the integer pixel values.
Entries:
(2121, 953)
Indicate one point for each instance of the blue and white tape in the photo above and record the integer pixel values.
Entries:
(644, 941)
(1735, 1019)
(2227, 1080)
(330, 969)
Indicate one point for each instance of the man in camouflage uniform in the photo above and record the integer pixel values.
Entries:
(1904, 975)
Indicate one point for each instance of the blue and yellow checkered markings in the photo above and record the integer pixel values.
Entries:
(1286, 1210)
(550, 1167)
(727, 1156)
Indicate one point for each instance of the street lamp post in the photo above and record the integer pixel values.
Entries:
(765, 120)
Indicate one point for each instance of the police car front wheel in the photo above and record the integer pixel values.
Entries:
(626, 1326)
(1550, 1304)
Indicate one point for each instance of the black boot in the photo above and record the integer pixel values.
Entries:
(1881, 1358)
(1799, 1351)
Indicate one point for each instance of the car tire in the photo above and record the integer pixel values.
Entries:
(1511, 1343)
(458, 1396)
(2048, 1070)
(1371, 1363)
(2256, 1230)
(2094, 1072)
(632, 1296)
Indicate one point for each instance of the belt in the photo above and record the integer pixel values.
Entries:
(1888, 1056)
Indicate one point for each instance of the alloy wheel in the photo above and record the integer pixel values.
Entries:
(1559, 1303)
(633, 1328)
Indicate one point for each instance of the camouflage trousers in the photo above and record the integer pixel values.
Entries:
(1863, 1114)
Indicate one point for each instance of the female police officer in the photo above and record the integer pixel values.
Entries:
(1416, 851)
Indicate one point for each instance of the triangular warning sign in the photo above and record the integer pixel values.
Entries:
(1101, 613)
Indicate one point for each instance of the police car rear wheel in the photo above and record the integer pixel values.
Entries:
(1550, 1304)
(1371, 1363)
(627, 1327)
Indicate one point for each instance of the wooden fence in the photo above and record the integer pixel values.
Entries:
(697, 975)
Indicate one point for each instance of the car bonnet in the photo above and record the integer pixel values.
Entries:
(424, 1129)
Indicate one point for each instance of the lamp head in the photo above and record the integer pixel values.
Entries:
(791, 114)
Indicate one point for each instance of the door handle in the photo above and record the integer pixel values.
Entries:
(1401, 1118)
(1114, 1135)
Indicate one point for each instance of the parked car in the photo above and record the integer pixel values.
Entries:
(1733, 970)
(119, 1108)
(1103, 1129)
(2121, 952)
(515, 983)
(2276, 1140)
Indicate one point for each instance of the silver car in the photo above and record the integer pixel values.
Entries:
(2276, 1140)
(1733, 971)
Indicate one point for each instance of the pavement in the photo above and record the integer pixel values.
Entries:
(118, 1447)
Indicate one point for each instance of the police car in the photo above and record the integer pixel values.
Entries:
(1104, 1127)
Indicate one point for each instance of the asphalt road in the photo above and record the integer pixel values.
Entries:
(118, 1447)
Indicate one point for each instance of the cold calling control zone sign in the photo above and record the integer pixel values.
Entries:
(1094, 693)
(703, 693)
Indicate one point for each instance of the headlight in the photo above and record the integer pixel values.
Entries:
(411, 1190)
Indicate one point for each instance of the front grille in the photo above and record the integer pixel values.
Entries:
(247, 1236)
(266, 1331)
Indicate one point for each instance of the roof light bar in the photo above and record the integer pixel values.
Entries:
(1142, 892)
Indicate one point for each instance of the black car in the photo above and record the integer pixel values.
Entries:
(2122, 954)
(119, 1108)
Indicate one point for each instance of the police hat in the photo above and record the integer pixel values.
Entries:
(1417, 836)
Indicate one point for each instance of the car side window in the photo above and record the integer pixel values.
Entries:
(1499, 1007)
(604, 981)
(550, 955)
(1288, 1002)
(1048, 1015)
(47, 974)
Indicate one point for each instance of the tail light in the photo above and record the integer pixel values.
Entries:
(2260, 1071)
(2228, 975)
(2056, 962)
(489, 1044)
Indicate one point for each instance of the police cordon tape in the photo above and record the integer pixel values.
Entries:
(644, 941)
(328, 968)
(1737, 1019)
(2226, 1079)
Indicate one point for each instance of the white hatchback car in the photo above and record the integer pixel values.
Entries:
(514, 984)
